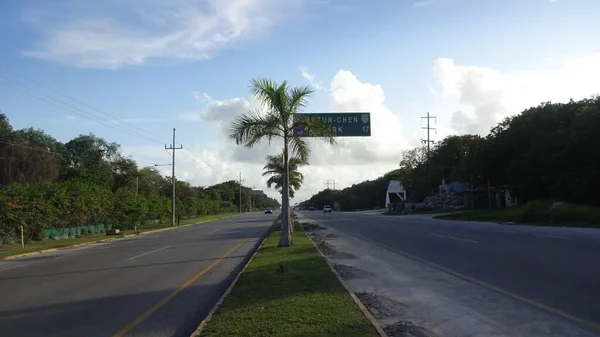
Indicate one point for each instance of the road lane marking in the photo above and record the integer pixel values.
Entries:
(453, 238)
(14, 267)
(146, 253)
(129, 326)
(533, 303)
(553, 237)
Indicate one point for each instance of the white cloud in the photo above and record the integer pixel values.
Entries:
(311, 77)
(474, 98)
(467, 99)
(97, 35)
(350, 161)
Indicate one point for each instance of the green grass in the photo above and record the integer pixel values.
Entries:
(308, 300)
(535, 213)
(34, 246)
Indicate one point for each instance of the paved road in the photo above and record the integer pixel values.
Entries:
(557, 268)
(159, 284)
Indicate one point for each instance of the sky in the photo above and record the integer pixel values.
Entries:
(131, 71)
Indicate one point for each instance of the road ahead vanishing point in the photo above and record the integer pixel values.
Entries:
(158, 284)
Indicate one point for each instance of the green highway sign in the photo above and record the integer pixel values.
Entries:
(343, 124)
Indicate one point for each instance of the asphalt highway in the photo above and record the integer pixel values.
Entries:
(553, 269)
(158, 284)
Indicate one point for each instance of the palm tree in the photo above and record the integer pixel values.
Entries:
(275, 168)
(276, 119)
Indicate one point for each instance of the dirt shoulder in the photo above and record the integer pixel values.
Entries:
(409, 298)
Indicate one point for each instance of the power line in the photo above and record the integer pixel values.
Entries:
(79, 101)
(66, 106)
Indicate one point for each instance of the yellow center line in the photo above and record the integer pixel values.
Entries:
(536, 304)
(129, 326)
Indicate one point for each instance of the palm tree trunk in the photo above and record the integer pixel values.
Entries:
(285, 239)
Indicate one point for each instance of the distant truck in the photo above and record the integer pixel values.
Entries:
(326, 209)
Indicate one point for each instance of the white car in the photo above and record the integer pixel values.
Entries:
(326, 209)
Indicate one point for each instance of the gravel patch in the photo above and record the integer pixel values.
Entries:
(331, 253)
(407, 329)
(350, 272)
(381, 306)
(312, 227)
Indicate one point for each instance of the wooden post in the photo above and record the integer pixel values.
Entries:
(22, 238)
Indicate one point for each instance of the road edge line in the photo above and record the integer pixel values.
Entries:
(582, 323)
(208, 317)
(107, 239)
(356, 300)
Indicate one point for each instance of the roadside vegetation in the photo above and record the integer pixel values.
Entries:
(547, 152)
(7, 250)
(288, 291)
(77, 190)
(535, 213)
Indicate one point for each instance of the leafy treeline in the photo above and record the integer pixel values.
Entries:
(546, 152)
(48, 184)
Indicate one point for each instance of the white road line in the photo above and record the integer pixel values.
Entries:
(14, 267)
(553, 237)
(146, 253)
(454, 238)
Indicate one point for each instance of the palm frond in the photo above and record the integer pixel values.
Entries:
(298, 97)
(250, 128)
(300, 148)
(316, 128)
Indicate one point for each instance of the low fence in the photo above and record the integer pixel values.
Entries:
(73, 232)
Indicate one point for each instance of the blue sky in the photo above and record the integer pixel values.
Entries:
(146, 63)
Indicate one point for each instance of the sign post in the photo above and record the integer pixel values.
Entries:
(343, 124)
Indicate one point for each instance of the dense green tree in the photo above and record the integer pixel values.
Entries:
(545, 152)
(45, 184)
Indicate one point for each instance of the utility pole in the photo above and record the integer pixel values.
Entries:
(253, 188)
(137, 191)
(173, 147)
(241, 192)
(428, 142)
(333, 183)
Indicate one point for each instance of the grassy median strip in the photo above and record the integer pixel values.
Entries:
(304, 300)
(7, 250)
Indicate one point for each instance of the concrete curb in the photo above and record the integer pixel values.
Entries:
(205, 321)
(104, 240)
(360, 305)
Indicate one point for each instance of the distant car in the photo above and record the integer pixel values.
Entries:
(326, 209)
(268, 211)
(311, 208)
